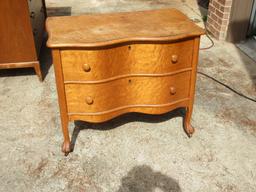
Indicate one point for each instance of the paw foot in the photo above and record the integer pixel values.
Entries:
(189, 130)
(66, 148)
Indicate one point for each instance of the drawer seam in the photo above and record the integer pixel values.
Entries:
(129, 75)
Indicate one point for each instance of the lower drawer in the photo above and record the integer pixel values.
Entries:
(126, 92)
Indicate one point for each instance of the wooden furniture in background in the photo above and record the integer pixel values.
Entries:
(111, 64)
(21, 30)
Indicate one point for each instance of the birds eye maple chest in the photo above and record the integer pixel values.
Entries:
(110, 64)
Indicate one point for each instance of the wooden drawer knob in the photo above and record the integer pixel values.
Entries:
(172, 90)
(89, 100)
(86, 67)
(174, 58)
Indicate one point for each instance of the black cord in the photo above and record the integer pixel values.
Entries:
(212, 42)
(228, 87)
(208, 36)
(212, 78)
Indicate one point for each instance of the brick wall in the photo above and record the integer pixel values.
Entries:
(218, 18)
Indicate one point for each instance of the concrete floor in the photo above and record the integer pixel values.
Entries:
(133, 153)
(248, 47)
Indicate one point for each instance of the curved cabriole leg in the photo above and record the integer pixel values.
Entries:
(66, 146)
(186, 122)
(62, 100)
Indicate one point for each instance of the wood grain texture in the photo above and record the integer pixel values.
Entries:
(127, 59)
(61, 99)
(109, 65)
(128, 76)
(108, 29)
(187, 120)
(34, 64)
(18, 36)
(156, 110)
(126, 92)
(17, 65)
(17, 43)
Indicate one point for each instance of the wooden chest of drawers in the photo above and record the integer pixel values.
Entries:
(111, 64)
(21, 29)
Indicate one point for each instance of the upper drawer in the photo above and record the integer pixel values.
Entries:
(127, 59)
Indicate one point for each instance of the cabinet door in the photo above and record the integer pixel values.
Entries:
(16, 41)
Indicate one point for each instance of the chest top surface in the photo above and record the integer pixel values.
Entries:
(107, 29)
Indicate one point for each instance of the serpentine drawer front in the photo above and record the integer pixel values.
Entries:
(128, 59)
(131, 91)
(111, 64)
